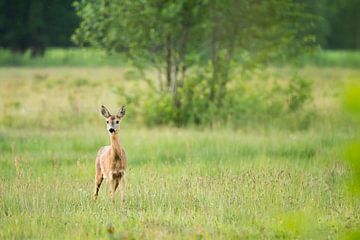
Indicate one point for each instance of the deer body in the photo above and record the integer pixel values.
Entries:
(111, 161)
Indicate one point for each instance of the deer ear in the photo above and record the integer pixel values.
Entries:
(122, 111)
(105, 112)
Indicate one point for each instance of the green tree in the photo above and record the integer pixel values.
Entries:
(344, 25)
(337, 24)
(35, 24)
(173, 36)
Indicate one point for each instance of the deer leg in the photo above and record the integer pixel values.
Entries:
(98, 180)
(112, 183)
(122, 190)
(116, 184)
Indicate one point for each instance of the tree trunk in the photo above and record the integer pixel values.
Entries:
(168, 62)
(37, 50)
(182, 53)
(214, 51)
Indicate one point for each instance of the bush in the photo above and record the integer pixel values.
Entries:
(159, 110)
(259, 99)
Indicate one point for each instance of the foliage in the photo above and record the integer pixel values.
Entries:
(254, 99)
(180, 35)
(336, 24)
(345, 25)
(352, 103)
(35, 24)
(86, 57)
(50, 23)
(259, 100)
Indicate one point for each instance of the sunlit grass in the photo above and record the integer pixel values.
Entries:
(216, 183)
(181, 183)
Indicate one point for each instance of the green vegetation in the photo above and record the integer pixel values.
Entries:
(343, 59)
(60, 57)
(90, 57)
(236, 127)
(254, 182)
(268, 100)
(217, 184)
(196, 49)
(46, 24)
(352, 104)
(33, 25)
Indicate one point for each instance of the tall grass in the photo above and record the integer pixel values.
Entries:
(214, 183)
(181, 183)
(74, 95)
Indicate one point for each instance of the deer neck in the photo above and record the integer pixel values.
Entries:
(115, 144)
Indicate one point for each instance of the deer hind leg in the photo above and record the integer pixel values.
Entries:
(98, 180)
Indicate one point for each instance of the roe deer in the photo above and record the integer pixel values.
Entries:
(111, 160)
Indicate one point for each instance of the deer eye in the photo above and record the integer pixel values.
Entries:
(117, 122)
(107, 121)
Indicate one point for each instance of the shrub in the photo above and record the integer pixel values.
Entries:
(259, 99)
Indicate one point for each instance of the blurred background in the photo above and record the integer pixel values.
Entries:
(238, 114)
(184, 63)
(205, 63)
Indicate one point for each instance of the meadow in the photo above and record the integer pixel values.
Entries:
(184, 183)
(85, 57)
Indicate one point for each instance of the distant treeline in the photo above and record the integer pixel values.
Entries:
(36, 24)
(338, 26)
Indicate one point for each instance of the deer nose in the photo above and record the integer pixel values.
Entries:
(111, 130)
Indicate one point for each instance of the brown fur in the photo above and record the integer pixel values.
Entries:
(111, 164)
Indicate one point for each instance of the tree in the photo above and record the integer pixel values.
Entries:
(175, 35)
(344, 24)
(337, 23)
(35, 24)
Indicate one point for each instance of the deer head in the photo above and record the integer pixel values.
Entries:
(113, 121)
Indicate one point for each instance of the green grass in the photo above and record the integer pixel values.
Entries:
(181, 183)
(55, 57)
(89, 57)
(341, 59)
(213, 183)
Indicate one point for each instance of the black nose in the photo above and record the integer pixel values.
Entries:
(111, 130)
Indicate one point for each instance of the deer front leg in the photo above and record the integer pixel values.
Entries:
(98, 180)
(113, 186)
(122, 190)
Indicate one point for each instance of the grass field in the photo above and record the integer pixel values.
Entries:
(59, 57)
(77, 57)
(190, 183)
